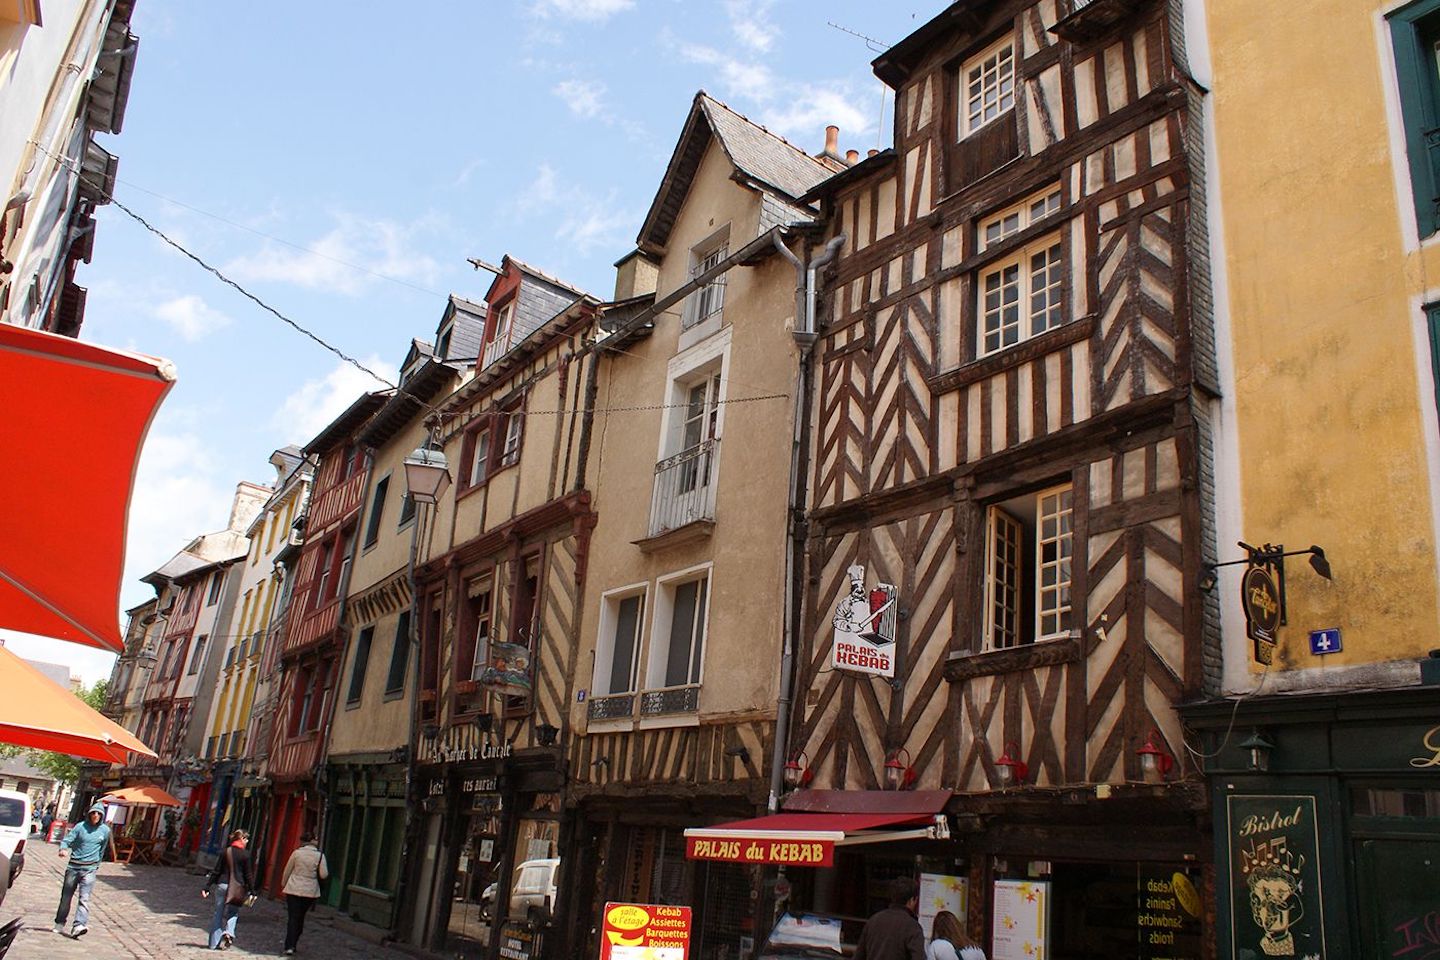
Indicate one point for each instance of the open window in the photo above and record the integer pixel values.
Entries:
(1028, 550)
(708, 301)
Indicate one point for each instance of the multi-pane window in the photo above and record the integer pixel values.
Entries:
(322, 589)
(988, 86)
(709, 299)
(702, 413)
(514, 423)
(1021, 296)
(1012, 220)
(1028, 550)
(199, 654)
(479, 458)
(481, 604)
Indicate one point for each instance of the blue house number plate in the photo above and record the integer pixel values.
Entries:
(1325, 641)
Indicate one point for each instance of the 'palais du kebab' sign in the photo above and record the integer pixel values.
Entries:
(865, 627)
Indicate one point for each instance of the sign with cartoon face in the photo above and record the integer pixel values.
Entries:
(1276, 905)
(864, 625)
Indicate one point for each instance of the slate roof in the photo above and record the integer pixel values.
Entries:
(769, 161)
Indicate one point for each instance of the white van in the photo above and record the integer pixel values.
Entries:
(533, 885)
(14, 829)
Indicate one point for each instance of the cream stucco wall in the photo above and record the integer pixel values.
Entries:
(746, 549)
(1329, 403)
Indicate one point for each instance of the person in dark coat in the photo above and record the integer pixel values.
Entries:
(232, 883)
(894, 933)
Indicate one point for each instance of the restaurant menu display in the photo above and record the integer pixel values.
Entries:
(1022, 915)
(1168, 914)
(942, 891)
(644, 931)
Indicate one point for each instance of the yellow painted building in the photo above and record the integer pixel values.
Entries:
(1323, 190)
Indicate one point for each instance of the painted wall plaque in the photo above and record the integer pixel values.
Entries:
(1277, 907)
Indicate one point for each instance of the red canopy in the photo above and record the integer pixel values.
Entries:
(75, 418)
(800, 839)
(37, 712)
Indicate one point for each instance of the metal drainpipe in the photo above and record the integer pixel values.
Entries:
(805, 337)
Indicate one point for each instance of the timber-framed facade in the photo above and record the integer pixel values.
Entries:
(1007, 433)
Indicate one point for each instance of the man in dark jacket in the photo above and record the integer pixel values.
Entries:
(894, 933)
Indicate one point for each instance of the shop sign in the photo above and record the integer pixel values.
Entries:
(508, 671)
(1276, 904)
(1021, 920)
(802, 853)
(644, 931)
(1168, 913)
(864, 625)
(1431, 742)
(517, 940)
(1260, 599)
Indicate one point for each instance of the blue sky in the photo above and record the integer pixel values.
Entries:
(344, 160)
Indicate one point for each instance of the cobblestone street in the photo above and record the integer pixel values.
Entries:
(157, 912)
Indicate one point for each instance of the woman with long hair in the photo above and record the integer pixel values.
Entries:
(233, 885)
(949, 941)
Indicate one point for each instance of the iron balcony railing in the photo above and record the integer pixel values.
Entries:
(666, 701)
(685, 487)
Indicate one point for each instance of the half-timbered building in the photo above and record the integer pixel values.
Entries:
(1005, 501)
(686, 597)
(500, 563)
(313, 640)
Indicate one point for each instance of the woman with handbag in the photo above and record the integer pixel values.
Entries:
(301, 885)
(233, 885)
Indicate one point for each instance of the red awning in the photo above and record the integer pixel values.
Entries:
(810, 839)
(75, 418)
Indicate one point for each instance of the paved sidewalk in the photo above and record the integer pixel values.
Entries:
(157, 913)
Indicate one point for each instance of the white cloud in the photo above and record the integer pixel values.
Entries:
(587, 222)
(584, 98)
(177, 496)
(589, 10)
(308, 410)
(334, 262)
(752, 81)
(191, 316)
(802, 116)
(751, 24)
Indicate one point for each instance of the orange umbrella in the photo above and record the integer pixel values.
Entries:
(37, 712)
(75, 418)
(149, 794)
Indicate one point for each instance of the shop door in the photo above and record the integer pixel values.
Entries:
(427, 901)
(1399, 896)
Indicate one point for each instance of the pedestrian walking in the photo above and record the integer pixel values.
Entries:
(949, 941)
(233, 887)
(301, 886)
(86, 843)
(894, 933)
(47, 818)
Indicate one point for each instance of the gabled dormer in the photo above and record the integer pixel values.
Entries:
(521, 300)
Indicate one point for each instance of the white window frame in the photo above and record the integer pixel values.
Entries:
(1016, 564)
(708, 302)
(658, 650)
(1011, 220)
(984, 97)
(514, 435)
(480, 659)
(603, 673)
(479, 462)
(1025, 285)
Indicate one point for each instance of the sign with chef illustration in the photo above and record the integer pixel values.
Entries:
(865, 627)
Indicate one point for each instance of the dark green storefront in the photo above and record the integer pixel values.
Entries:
(1327, 822)
(364, 829)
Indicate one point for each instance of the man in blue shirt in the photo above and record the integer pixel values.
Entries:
(87, 843)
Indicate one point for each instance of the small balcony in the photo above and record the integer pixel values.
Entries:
(684, 492)
(664, 702)
(1090, 19)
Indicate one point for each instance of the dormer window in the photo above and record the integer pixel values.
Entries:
(442, 343)
(707, 302)
(987, 87)
(499, 341)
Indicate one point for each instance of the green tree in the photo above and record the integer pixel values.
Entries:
(61, 767)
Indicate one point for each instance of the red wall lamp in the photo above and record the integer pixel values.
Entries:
(899, 774)
(797, 771)
(1155, 761)
(1010, 768)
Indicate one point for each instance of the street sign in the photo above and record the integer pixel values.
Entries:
(1260, 598)
(1325, 641)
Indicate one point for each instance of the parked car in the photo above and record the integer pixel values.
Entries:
(532, 885)
(14, 830)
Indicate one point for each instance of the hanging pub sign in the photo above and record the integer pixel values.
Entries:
(864, 624)
(1260, 599)
(1277, 907)
(508, 670)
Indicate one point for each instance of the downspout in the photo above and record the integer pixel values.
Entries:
(805, 337)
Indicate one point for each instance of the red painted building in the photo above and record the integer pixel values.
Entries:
(313, 641)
